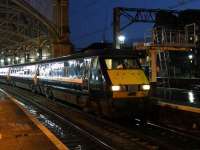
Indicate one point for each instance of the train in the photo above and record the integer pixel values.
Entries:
(106, 82)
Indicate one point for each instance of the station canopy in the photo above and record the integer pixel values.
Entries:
(22, 28)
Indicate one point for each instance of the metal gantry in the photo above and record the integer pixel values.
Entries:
(161, 39)
(133, 15)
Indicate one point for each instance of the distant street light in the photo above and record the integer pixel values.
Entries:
(190, 57)
(191, 97)
(121, 39)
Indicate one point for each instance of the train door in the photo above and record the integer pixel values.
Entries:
(96, 80)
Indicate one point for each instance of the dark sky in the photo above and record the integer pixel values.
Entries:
(90, 18)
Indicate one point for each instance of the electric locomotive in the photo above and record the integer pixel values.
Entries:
(107, 82)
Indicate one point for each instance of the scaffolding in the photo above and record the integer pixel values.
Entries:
(160, 42)
(163, 36)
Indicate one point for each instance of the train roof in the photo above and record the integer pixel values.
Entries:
(92, 52)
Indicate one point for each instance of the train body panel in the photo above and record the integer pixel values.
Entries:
(100, 82)
(128, 77)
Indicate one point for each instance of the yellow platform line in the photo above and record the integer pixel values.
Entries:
(46, 131)
(179, 107)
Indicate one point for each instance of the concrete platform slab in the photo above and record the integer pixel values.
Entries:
(21, 131)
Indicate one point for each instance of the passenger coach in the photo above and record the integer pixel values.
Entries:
(102, 81)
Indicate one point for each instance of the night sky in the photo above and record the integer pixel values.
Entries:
(91, 20)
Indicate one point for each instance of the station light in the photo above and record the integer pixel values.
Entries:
(17, 58)
(2, 61)
(121, 39)
(38, 54)
(191, 97)
(147, 58)
(9, 59)
(190, 56)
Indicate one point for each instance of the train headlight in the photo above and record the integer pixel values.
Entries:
(146, 87)
(116, 88)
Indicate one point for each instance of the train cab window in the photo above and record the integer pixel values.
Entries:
(121, 63)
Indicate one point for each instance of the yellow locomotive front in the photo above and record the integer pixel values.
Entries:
(128, 86)
(127, 78)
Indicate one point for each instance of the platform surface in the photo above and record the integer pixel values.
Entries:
(18, 131)
(182, 99)
(178, 96)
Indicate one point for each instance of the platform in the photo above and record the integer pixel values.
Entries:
(181, 99)
(21, 131)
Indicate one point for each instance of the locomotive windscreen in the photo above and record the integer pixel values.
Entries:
(121, 63)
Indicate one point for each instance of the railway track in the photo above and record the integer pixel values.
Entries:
(74, 137)
(111, 135)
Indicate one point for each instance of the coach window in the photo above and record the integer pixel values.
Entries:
(57, 69)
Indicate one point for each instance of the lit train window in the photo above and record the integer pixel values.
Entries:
(52, 71)
(23, 71)
(73, 69)
(77, 69)
(68, 71)
(121, 63)
(57, 69)
(4, 71)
